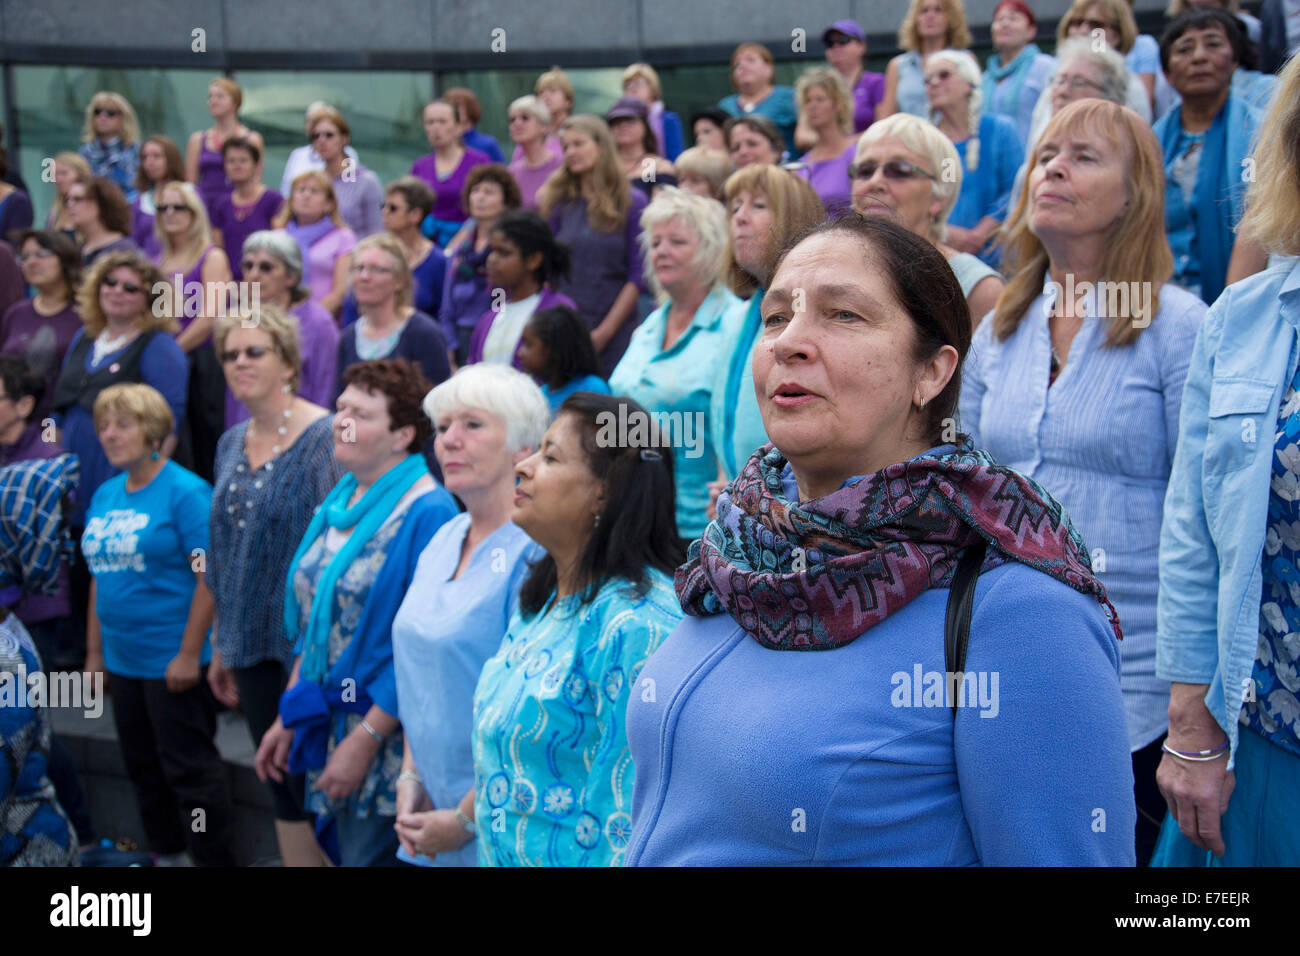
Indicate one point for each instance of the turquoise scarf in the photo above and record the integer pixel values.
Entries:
(996, 73)
(365, 518)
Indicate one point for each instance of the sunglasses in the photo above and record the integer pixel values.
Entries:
(128, 287)
(895, 169)
(391, 207)
(938, 76)
(839, 40)
(253, 352)
(172, 207)
(261, 265)
(323, 134)
(107, 111)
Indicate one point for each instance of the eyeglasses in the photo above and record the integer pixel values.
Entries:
(938, 76)
(323, 134)
(128, 287)
(391, 207)
(107, 111)
(1074, 82)
(73, 200)
(36, 254)
(258, 265)
(253, 352)
(839, 40)
(1090, 25)
(172, 207)
(894, 169)
(370, 267)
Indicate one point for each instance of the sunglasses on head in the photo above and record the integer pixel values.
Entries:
(894, 169)
(130, 287)
(172, 207)
(107, 111)
(259, 265)
(253, 352)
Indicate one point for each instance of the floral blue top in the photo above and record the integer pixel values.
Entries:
(378, 791)
(553, 775)
(1273, 709)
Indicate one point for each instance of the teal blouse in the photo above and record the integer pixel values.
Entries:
(679, 383)
(553, 775)
(734, 418)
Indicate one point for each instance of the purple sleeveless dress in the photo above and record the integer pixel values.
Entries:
(184, 315)
(212, 184)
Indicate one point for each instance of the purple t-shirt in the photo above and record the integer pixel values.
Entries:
(867, 93)
(143, 214)
(238, 222)
(42, 340)
(319, 339)
(829, 178)
(446, 205)
(324, 253)
(531, 180)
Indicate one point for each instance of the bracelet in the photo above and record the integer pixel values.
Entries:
(1201, 753)
(1205, 756)
(365, 725)
(465, 822)
(409, 775)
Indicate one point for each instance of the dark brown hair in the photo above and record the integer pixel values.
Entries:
(114, 210)
(498, 174)
(65, 249)
(175, 164)
(924, 285)
(466, 104)
(415, 191)
(247, 145)
(404, 386)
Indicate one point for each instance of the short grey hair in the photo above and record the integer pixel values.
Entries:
(923, 138)
(706, 217)
(500, 390)
(278, 243)
(534, 106)
(1110, 64)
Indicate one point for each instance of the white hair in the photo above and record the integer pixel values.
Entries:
(533, 106)
(500, 390)
(968, 69)
(707, 218)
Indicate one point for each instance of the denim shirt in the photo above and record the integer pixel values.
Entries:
(1216, 510)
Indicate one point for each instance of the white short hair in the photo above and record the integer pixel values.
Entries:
(707, 218)
(533, 106)
(500, 390)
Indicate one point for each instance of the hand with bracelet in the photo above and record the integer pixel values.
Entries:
(437, 831)
(1193, 774)
(353, 755)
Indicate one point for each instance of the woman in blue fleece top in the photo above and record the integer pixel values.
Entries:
(841, 541)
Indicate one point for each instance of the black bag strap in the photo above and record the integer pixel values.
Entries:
(956, 625)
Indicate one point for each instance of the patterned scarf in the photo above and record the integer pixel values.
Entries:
(814, 575)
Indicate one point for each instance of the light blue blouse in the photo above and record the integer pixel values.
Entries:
(910, 92)
(1101, 440)
(986, 190)
(679, 381)
(734, 419)
(443, 632)
(1216, 512)
(552, 771)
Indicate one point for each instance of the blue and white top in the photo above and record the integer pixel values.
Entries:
(553, 775)
(443, 633)
(1101, 439)
(678, 382)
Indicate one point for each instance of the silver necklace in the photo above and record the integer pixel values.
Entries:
(281, 432)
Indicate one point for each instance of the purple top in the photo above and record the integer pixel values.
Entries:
(238, 222)
(361, 199)
(603, 262)
(185, 315)
(829, 178)
(446, 206)
(321, 258)
(42, 340)
(553, 144)
(143, 214)
(212, 184)
(546, 300)
(531, 180)
(867, 93)
(15, 214)
(318, 337)
(35, 608)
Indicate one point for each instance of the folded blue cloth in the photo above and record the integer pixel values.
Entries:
(307, 709)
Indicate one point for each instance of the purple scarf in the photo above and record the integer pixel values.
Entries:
(306, 237)
(814, 575)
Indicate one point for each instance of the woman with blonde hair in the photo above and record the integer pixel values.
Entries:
(1089, 312)
(110, 140)
(753, 77)
(592, 208)
(641, 80)
(703, 171)
(989, 147)
(311, 217)
(1227, 557)
(68, 168)
(928, 27)
(199, 274)
(204, 165)
(826, 106)
(901, 172)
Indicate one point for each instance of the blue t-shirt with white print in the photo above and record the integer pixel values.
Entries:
(143, 547)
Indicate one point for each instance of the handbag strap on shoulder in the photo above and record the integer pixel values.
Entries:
(961, 599)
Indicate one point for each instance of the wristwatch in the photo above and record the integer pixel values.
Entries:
(465, 822)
